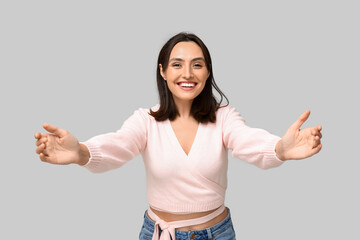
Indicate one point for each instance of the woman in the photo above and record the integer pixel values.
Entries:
(184, 142)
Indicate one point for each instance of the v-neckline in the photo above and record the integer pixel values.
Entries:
(177, 142)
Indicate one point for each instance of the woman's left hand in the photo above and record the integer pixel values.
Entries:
(299, 143)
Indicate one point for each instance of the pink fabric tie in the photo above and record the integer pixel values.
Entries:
(168, 228)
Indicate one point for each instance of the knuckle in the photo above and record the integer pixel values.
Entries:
(43, 158)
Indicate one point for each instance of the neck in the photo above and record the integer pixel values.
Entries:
(184, 108)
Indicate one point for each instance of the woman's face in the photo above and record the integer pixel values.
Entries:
(186, 73)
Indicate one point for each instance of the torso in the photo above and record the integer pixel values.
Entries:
(185, 131)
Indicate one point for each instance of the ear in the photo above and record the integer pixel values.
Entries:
(162, 72)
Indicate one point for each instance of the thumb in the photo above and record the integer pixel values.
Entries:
(300, 121)
(55, 130)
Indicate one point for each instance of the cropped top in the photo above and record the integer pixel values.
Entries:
(178, 182)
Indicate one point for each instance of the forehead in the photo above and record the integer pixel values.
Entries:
(186, 50)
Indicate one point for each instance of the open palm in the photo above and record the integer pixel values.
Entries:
(58, 146)
(299, 143)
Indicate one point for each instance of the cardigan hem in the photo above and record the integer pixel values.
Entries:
(180, 208)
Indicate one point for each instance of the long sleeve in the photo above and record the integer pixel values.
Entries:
(253, 145)
(112, 150)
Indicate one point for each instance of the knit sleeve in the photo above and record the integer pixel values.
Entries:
(253, 145)
(112, 150)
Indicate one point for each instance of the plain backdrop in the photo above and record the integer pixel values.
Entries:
(86, 66)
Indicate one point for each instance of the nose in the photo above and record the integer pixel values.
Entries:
(187, 72)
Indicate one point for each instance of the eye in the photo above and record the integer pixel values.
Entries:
(198, 65)
(176, 65)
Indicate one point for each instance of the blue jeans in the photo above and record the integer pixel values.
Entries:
(224, 230)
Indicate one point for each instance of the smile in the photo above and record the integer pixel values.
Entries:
(187, 85)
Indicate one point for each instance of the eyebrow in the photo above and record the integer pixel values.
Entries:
(182, 60)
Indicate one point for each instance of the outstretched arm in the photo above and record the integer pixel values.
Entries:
(60, 147)
(299, 143)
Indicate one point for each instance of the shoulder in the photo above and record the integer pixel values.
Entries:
(228, 114)
(144, 113)
(224, 110)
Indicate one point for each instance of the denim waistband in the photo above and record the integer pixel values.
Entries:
(200, 234)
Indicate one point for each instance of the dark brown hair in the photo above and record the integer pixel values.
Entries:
(205, 105)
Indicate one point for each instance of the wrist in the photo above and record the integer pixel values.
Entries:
(84, 155)
(278, 150)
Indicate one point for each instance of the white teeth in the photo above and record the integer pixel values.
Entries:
(187, 84)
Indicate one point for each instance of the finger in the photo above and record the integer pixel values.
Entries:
(314, 130)
(41, 140)
(319, 129)
(55, 130)
(316, 149)
(316, 141)
(300, 121)
(44, 157)
(37, 135)
(40, 149)
(317, 134)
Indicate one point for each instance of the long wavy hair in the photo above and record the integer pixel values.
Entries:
(205, 105)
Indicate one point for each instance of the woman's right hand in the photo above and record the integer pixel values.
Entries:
(60, 147)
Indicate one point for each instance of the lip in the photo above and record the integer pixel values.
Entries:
(185, 82)
(186, 88)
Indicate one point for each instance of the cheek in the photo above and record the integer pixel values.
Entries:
(172, 74)
(204, 77)
(203, 74)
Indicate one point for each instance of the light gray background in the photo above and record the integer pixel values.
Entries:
(87, 65)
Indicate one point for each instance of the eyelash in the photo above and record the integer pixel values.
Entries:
(197, 65)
